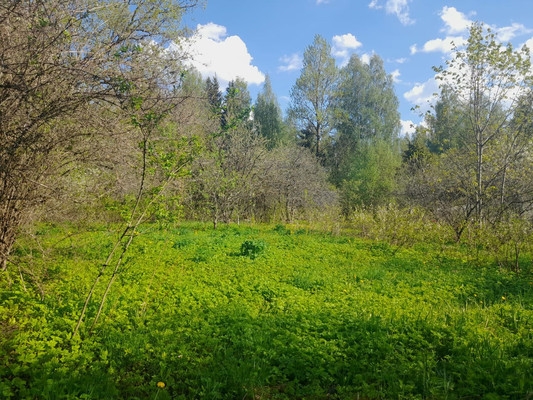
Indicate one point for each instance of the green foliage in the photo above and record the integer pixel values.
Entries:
(366, 106)
(370, 178)
(282, 229)
(483, 86)
(317, 316)
(508, 243)
(365, 155)
(236, 106)
(312, 95)
(448, 125)
(268, 117)
(252, 248)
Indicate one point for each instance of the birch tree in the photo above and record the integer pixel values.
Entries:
(312, 95)
(488, 78)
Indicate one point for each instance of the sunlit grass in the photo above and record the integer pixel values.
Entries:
(263, 312)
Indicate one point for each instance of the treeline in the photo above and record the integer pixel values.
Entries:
(101, 119)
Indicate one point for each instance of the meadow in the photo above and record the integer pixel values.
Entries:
(261, 312)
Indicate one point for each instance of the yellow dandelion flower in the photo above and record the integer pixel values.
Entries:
(161, 385)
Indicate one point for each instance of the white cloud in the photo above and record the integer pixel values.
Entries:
(456, 30)
(365, 58)
(227, 57)
(374, 4)
(445, 45)
(529, 44)
(455, 24)
(455, 21)
(400, 8)
(347, 41)
(396, 75)
(318, 2)
(343, 46)
(407, 128)
(212, 31)
(293, 62)
(507, 33)
(401, 60)
(423, 94)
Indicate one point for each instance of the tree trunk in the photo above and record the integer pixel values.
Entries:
(318, 139)
(10, 220)
(479, 184)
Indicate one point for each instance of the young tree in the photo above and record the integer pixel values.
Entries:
(366, 149)
(237, 103)
(313, 93)
(293, 185)
(214, 96)
(371, 176)
(488, 78)
(480, 134)
(448, 123)
(267, 116)
(224, 178)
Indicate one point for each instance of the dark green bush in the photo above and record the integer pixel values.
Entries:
(252, 248)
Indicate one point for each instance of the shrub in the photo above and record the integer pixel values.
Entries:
(400, 227)
(252, 248)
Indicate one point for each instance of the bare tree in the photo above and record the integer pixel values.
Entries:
(56, 58)
(225, 179)
(293, 183)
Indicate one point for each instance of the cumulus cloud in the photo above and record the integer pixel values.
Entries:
(407, 128)
(456, 27)
(400, 8)
(455, 30)
(343, 46)
(365, 58)
(215, 53)
(455, 22)
(423, 94)
(396, 75)
(445, 45)
(529, 45)
(507, 33)
(292, 62)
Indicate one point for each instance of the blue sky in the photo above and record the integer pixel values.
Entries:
(251, 38)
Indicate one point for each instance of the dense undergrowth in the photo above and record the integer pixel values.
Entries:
(262, 312)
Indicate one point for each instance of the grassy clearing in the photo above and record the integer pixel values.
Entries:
(263, 312)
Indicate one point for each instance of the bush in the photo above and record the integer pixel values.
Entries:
(397, 226)
(252, 248)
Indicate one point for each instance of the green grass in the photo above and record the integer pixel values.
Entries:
(262, 312)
